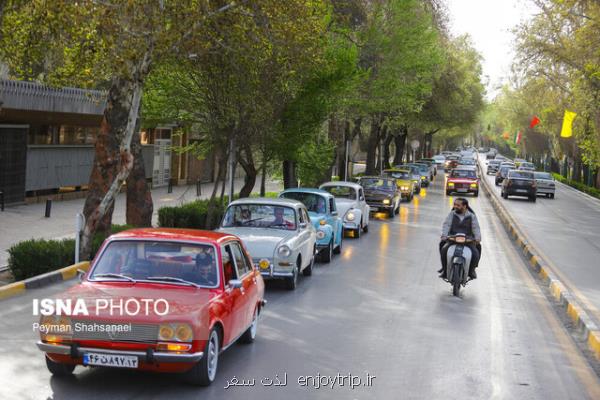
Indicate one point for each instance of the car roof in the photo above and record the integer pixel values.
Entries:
(267, 201)
(342, 183)
(307, 190)
(174, 234)
(378, 177)
(396, 170)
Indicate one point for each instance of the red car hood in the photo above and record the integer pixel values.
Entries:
(184, 303)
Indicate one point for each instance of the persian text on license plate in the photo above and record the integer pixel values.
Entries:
(463, 190)
(521, 190)
(110, 360)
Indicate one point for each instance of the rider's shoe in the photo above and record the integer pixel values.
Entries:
(473, 274)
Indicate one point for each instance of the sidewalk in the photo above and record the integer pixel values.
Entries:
(24, 222)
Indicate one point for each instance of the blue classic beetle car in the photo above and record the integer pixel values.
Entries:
(324, 216)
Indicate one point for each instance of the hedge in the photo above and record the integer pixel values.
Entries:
(577, 185)
(193, 215)
(37, 256)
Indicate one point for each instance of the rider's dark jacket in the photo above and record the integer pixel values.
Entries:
(461, 223)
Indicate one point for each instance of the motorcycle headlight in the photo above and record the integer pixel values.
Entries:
(320, 234)
(386, 201)
(403, 187)
(284, 251)
(350, 216)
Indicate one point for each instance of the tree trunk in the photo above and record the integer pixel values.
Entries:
(400, 142)
(387, 141)
(247, 162)
(341, 153)
(214, 205)
(289, 174)
(372, 144)
(113, 159)
(263, 178)
(139, 197)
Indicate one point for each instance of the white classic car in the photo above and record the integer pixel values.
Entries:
(351, 205)
(277, 233)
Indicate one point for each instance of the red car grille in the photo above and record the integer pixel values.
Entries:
(143, 333)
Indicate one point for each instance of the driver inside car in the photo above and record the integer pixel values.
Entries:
(204, 272)
(462, 219)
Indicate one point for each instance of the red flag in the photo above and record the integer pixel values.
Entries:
(534, 121)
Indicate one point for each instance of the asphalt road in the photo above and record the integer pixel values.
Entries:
(566, 230)
(380, 309)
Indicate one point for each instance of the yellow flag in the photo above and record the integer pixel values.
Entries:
(567, 127)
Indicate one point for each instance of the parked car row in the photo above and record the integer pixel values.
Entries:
(214, 281)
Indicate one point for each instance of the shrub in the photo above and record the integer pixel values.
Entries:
(578, 185)
(38, 256)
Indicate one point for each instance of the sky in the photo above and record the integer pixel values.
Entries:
(490, 22)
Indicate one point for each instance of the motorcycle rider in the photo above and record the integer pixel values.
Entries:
(462, 219)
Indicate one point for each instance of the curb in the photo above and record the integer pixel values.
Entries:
(46, 279)
(582, 322)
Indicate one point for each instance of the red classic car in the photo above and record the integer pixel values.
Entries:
(166, 300)
(462, 180)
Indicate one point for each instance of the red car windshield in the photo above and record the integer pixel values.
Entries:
(467, 174)
(158, 261)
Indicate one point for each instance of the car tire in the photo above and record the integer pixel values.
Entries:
(205, 371)
(59, 369)
(366, 228)
(356, 232)
(476, 194)
(533, 199)
(448, 193)
(552, 196)
(250, 334)
(327, 254)
(308, 270)
(391, 213)
(292, 283)
(338, 250)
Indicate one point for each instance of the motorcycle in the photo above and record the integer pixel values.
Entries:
(459, 259)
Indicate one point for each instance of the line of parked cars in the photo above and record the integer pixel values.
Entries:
(213, 282)
(519, 177)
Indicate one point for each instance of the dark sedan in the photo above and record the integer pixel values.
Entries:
(493, 166)
(502, 173)
(381, 193)
(519, 183)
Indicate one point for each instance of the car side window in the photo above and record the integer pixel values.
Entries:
(240, 260)
(229, 271)
(306, 216)
(301, 216)
(332, 205)
(361, 195)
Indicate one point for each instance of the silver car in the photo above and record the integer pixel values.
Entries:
(278, 234)
(351, 205)
(545, 184)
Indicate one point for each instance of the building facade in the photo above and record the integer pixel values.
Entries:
(47, 138)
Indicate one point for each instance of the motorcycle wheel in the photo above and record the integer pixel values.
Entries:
(456, 280)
